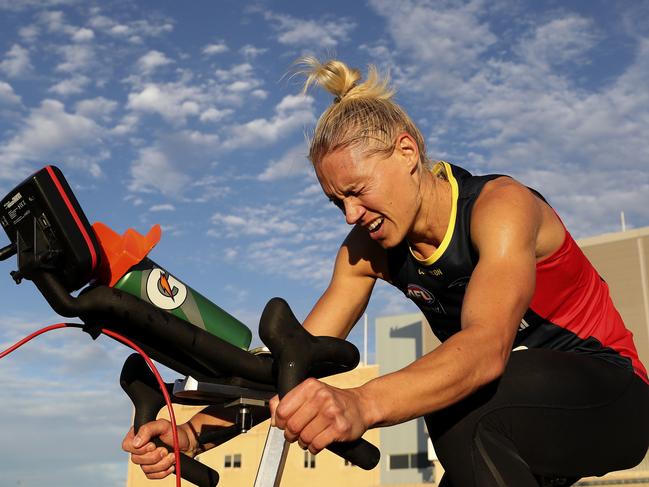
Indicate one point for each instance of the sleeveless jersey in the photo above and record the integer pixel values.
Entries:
(571, 309)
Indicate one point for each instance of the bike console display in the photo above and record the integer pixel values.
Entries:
(48, 230)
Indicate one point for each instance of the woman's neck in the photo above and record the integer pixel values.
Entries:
(434, 214)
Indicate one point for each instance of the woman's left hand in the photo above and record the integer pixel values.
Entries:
(316, 414)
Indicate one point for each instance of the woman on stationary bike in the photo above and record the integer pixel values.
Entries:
(536, 375)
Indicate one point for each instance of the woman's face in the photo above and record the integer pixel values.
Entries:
(377, 193)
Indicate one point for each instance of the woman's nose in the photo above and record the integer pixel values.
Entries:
(353, 211)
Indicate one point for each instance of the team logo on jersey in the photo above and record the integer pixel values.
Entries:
(164, 290)
(424, 296)
(429, 272)
(460, 282)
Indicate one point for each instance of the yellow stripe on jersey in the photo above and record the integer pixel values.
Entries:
(451, 224)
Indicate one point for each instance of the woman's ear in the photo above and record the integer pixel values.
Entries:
(407, 149)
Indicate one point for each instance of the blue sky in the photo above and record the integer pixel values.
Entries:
(181, 113)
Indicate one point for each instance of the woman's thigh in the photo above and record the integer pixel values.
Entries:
(551, 413)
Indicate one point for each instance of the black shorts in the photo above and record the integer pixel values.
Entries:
(551, 414)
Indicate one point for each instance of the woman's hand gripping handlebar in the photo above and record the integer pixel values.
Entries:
(141, 386)
(298, 355)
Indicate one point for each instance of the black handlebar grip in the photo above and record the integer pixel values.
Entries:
(296, 352)
(140, 385)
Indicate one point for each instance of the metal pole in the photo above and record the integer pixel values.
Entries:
(365, 340)
(644, 281)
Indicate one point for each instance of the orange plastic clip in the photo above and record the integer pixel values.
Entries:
(121, 252)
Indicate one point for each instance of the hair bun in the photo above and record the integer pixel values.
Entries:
(342, 81)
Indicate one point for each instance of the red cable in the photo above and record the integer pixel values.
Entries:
(163, 389)
(149, 362)
(34, 335)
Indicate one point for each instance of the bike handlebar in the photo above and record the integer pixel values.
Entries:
(296, 353)
(193, 351)
(170, 340)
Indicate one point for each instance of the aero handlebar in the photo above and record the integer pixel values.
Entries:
(193, 351)
(297, 353)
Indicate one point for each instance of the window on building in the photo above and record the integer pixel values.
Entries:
(232, 461)
(397, 462)
(419, 460)
(412, 460)
(309, 460)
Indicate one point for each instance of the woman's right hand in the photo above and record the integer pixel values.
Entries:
(156, 462)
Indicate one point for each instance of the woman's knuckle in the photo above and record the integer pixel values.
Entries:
(292, 427)
(323, 394)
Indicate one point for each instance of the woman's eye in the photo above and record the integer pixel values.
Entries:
(339, 204)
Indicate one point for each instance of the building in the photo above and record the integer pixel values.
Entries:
(407, 459)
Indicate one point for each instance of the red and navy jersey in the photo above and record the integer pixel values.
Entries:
(571, 309)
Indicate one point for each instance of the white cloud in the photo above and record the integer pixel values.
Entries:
(127, 124)
(29, 33)
(173, 101)
(53, 20)
(250, 52)
(16, 62)
(322, 33)
(174, 166)
(214, 115)
(83, 35)
(238, 72)
(293, 112)
(254, 221)
(292, 244)
(590, 201)
(50, 132)
(152, 60)
(177, 101)
(293, 163)
(526, 116)
(162, 207)
(445, 40)
(76, 57)
(94, 108)
(12, 5)
(261, 94)
(238, 91)
(208, 187)
(152, 28)
(133, 31)
(70, 86)
(558, 41)
(7, 94)
(212, 49)
(101, 22)
(120, 30)
(311, 190)
(154, 171)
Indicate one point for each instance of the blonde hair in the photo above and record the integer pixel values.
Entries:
(362, 113)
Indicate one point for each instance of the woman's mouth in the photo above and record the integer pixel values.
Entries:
(375, 225)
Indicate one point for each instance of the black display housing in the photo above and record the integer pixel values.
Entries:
(49, 230)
